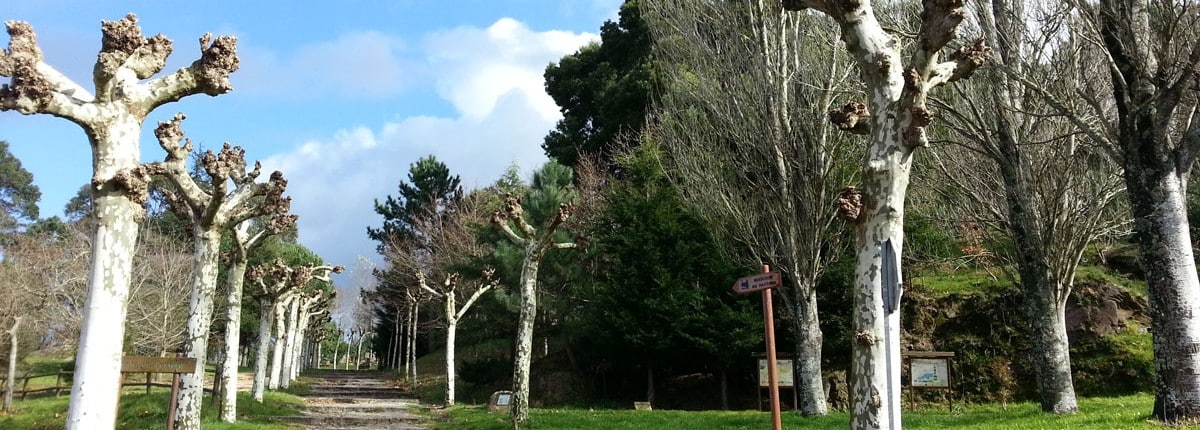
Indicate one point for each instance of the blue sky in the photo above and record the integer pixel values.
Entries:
(341, 97)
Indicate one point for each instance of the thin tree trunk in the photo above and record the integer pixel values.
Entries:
(11, 378)
(279, 311)
(451, 332)
(233, 331)
(336, 346)
(394, 351)
(301, 336)
(809, 338)
(200, 307)
(265, 307)
(412, 342)
(289, 347)
(407, 340)
(524, 352)
(358, 354)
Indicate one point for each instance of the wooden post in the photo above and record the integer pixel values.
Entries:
(174, 401)
(148, 382)
(57, 382)
(772, 371)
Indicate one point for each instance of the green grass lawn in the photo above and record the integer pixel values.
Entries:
(149, 411)
(1115, 413)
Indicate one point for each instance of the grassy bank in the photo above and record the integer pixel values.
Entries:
(147, 411)
(1115, 413)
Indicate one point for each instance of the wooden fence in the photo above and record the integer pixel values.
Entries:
(63, 386)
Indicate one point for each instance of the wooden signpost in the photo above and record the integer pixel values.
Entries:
(149, 365)
(764, 282)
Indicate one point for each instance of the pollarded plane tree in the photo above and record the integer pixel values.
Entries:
(1019, 168)
(315, 333)
(737, 115)
(246, 236)
(111, 117)
(535, 242)
(276, 283)
(448, 291)
(895, 117)
(231, 197)
(313, 302)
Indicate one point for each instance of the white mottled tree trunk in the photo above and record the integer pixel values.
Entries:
(524, 351)
(1161, 230)
(451, 333)
(336, 344)
(233, 330)
(874, 363)
(279, 311)
(302, 328)
(98, 360)
(289, 347)
(412, 343)
(265, 307)
(200, 308)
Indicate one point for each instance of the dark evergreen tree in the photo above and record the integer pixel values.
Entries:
(603, 90)
(429, 191)
(662, 285)
(430, 188)
(18, 195)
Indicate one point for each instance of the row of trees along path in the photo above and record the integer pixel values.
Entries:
(227, 201)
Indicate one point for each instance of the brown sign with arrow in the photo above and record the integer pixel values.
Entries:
(759, 282)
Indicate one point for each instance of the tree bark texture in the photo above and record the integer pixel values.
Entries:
(1147, 91)
(265, 306)
(280, 313)
(451, 380)
(98, 359)
(809, 339)
(200, 308)
(524, 353)
(233, 331)
(1161, 232)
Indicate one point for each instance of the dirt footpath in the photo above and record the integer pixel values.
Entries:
(357, 400)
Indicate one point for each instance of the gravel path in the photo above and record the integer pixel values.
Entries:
(357, 400)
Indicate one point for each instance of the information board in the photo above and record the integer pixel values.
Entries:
(930, 372)
(783, 367)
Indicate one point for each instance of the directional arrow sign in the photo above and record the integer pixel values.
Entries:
(757, 282)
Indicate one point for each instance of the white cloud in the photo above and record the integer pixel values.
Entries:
(492, 77)
(365, 64)
(478, 65)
